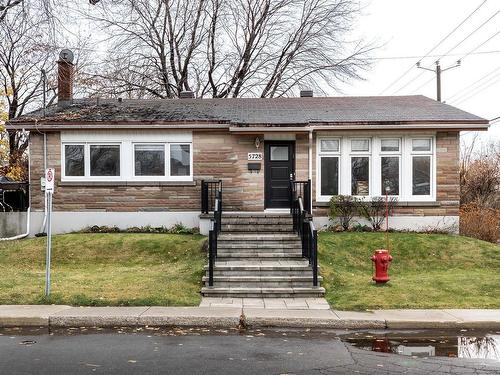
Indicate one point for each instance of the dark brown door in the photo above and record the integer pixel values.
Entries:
(279, 163)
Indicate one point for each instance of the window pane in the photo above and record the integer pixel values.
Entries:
(329, 176)
(360, 167)
(421, 175)
(74, 162)
(421, 144)
(105, 160)
(180, 160)
(329, 145)
(279, 153)
(149, 160)
(390, 144)
(390, 175)
(360, 144)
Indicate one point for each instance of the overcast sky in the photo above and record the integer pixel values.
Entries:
(413, 28)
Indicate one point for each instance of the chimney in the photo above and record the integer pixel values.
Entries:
(65, 75)
(186, 95)
(306, 93)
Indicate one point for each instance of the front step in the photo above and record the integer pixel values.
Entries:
(268, 282)
(309, 292)
(259, 255)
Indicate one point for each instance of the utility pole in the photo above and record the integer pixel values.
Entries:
(438, 72)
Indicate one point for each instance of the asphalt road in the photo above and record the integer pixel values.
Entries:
(202, 352)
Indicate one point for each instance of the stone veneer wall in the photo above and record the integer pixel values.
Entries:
(219, 154)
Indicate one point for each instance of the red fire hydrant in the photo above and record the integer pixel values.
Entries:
(382, 259)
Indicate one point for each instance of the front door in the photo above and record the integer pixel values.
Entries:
(279, 163)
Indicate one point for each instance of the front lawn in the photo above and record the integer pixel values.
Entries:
(104, 269)
(428, 271)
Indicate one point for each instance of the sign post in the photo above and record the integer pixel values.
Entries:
(49, 190)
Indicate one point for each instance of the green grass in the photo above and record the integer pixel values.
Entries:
(428, 271)
(104, 269)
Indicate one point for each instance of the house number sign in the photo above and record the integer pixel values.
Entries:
(255, 156)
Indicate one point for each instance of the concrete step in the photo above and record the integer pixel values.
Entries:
(249, 220)
(253, 255)
(307, 292)
(271, 237)
(259, 228)
(262, 281)
(259, 247)
(255, 215)
(299, 267)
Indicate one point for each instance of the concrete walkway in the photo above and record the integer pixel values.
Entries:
(255, 317)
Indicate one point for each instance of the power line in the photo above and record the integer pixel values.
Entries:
(479, 46)
(470, 34)
(478, 88)
(408, 83)
(436, 46)
(477, 91)
(460, 92)
(424, 84)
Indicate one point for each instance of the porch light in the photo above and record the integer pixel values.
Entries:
(257, 142)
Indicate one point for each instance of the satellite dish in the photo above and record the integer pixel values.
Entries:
(67, 55)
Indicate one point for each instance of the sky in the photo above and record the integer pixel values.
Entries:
(413, 28)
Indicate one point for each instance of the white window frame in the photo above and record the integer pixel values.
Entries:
(380, 155)
(181, 178)
(321, 154)
(127, 140)
(375, 154)
(432, 175)
(86, 159)
(357, 154)
(149, 178)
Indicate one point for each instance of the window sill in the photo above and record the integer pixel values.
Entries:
(127, 183)
(398, 204)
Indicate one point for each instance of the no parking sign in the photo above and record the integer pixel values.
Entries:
(49, 180)
(50, 175)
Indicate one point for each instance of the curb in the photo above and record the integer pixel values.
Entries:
(233, 317)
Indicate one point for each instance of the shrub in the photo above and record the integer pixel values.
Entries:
(343, 208)
(480, 222)
(375, 211)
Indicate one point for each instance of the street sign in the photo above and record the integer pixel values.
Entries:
(49, 190)
(50, 175)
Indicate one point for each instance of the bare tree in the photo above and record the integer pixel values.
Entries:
(24, 52)
(228, 48)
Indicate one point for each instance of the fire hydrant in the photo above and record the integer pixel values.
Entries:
(382, 259)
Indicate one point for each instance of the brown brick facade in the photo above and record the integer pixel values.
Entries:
(219, 155)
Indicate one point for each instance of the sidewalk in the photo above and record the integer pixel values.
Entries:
(54, 316)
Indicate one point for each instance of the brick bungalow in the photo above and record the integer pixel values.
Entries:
(141, 162)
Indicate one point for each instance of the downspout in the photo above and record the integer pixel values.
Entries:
(28, 211)
(44, 222)
(310, 165)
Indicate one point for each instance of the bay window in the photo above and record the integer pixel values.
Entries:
(329, 165)
(360, 166)
(401, 166)
(390, 151)
(421, 162)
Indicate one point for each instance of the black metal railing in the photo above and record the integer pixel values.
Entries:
(209, 191)
(301, 189)
(213, 234)
(303, 222)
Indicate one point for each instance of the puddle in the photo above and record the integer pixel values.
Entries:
(470, 344)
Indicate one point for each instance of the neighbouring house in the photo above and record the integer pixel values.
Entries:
(141, 162)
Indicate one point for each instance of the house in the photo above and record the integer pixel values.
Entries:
(141, 162)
